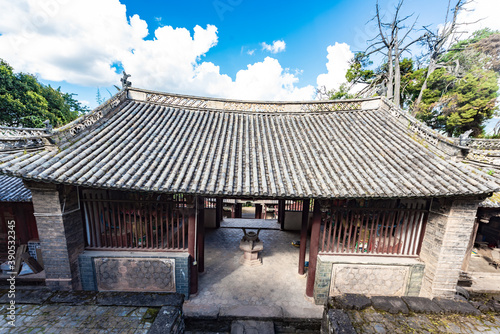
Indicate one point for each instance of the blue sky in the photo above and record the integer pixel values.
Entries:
(211, 48)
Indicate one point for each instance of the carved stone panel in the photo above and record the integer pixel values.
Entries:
(135, 274)
(369, 279)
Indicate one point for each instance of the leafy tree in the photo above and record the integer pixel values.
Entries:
(26, 102)
(462, 95)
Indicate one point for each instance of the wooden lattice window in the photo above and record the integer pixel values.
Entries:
(121, 220)
(377, 231)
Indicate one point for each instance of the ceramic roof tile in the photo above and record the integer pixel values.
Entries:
(12, 189)
(352, 153)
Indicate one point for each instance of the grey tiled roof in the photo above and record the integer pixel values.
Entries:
(150, 146)
(491, 202)
(12, 189)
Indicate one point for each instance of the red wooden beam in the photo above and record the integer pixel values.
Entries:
(193, 284)
(201, 235)
(281, 214)
(313, 249)
(218, 211)
(303, 236)
(258, 211)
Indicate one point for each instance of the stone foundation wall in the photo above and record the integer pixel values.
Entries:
(371, 276)
(135, 271)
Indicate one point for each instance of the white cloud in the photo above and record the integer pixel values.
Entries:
(251, 52)
(80, 41)
(269, 81)
(338, 57)
(275, 47)
(481, 14)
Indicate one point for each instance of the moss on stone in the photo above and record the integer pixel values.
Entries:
(150, 315)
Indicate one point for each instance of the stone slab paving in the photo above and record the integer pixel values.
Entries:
(88, 319)
(275, 283)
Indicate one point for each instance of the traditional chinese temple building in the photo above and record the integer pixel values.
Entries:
(122, 196)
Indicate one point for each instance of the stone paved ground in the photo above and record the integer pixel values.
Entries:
(370, 321)
(276, 282)
(88, 319)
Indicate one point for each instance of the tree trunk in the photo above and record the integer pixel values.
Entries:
(390, 74)
(397, 74)
(430, 69)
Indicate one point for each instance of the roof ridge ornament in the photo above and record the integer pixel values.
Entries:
(48, 127)
(464, 138)
(124, 80)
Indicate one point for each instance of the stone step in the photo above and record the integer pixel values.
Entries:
(252, 327)
(215, 319)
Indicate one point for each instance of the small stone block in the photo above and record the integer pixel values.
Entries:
(251, 312)
(392, 305)
(456, 306)
(294, 312)
(36, 297)
(252, 327)
(421, 305)
(338, 322)
(140, 299)
(168, 320)
(495, 305)
(73, 297)
(200, 311)
(350, 301)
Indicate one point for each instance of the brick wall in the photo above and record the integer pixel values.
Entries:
(60, 231)
(447, 235)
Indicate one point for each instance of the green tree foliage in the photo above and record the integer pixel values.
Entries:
(461, 95)
(456, 105)
(340, 94)
(27, 103)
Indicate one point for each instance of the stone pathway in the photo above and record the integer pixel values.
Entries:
(351, 313)
(88, 319)
(275, 283)
(371, 322)
(90, 312)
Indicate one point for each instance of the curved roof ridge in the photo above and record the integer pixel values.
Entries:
(223, 104)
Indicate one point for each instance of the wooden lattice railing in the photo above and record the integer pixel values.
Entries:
(135, 224)
(359, 231)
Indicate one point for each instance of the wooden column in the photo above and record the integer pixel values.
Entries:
(193, 284)
(303, 235)
(239, 210)
(201, 234)
(281, 214)
(313, 249)
(258, 211)
(219, 211)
